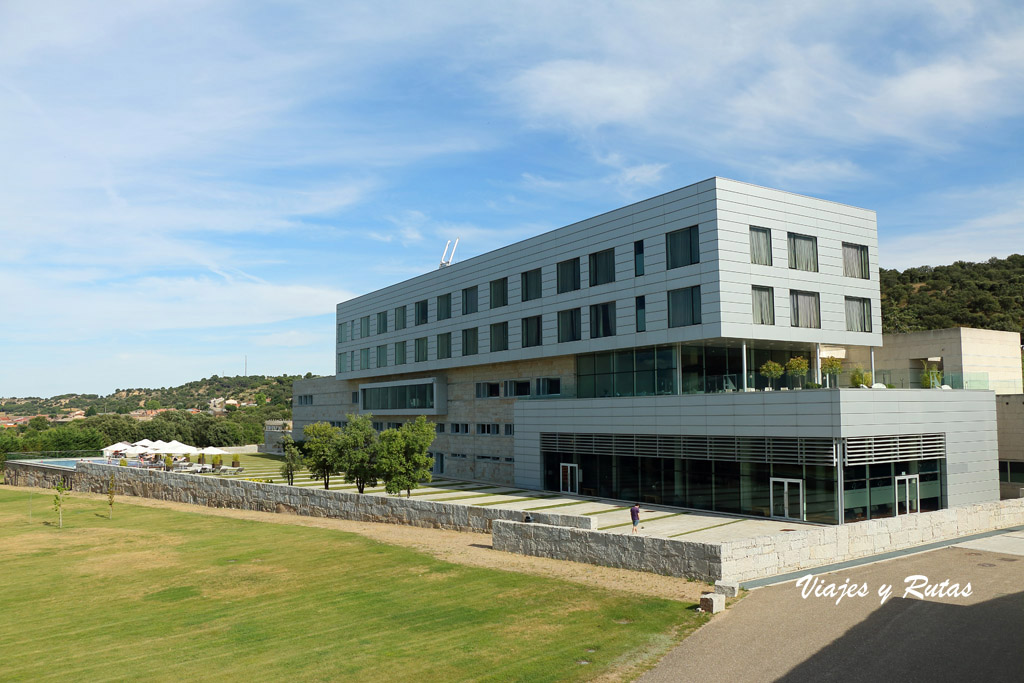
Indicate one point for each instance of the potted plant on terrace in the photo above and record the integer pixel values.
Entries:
(831, 367)
(234, 460)
(772, 371)
(796, 368)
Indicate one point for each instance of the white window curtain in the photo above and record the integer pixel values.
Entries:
(764, 305)
(761, 246)
(804, 310)
(855, 261)
(803, 253)
(858, 314)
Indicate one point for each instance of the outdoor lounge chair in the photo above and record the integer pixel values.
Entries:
(231, 470)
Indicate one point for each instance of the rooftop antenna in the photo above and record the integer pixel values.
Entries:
(446, 258)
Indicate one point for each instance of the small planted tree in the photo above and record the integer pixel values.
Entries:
(402, 456)
(168, 462)
(831, 367)
(292, 459)
(931, 377)
(796, 368)
(359, 451)
(110, 497)
(323, 451)
(234, 460)
(216, 461)
(58, 502)
(772, 371)
(860, 377)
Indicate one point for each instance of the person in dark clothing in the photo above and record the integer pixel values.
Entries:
(634, 513)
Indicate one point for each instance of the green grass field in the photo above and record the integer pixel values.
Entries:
(164, 595)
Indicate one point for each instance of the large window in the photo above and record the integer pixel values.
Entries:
(570, 325)
(421, 312)
(803, 252)
(342, 362)
(421, 349)
(403, 397)
(364, 359)
(469, 300)
(627, 372)
(760, 246)
(764, 305)
(803, 309)
(858, 314)
(444, 306)
(641, 314)
(682, 248)
(530, 285)
(602, 320)
(364, 327)
(499, 336)
(400, 353)
(855, 261)
(444, 345)
(382, 322)
(638, 258)
(342, 332)
(532, 335)
(684, 307)
(470, 342)
(382, 356)
(400, 318)
(499, 292)
(602, 267)
(568, 273)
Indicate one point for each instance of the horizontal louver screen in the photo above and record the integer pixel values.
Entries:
(863, 450)
(811, 451)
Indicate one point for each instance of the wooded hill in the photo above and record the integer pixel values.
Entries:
(987, 295)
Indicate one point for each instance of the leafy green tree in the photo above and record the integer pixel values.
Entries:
(292, 459)
(114, 428)
(796, 367)
(90, 411)
(323, 451)
(359, 450)
(831, 367)
(153, 404)
(772, 371)
(38, 423)
(402, 456)
(61, 491)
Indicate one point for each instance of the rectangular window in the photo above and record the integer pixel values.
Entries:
(763, 299)
(638, 258)
(382, 356)
(855, 261)
(400, 318)
(400, 353)
(444, 306)
(352, 360)
(568, 275)
(510, 430)
(400, 397)
(682, 247)
(364, 359)
(469, 300)
(760, 246)
(517, 387)
(641, 314)
(470, 345)
(439, 428)
(355, 398)
(684, 307)
(570, 325)
(364, 327)
(531, 284)
(803, 252)
(421, 349)
(499, 337)
(490, 428)
(532, 335)
(382, 322)
(602, 320)
(343, 332)
(444, 345)
(421, 312)
(549, 386)
(645, 371)
(803, 309)
(488, 390)
(602, 267)
(858, 314)
(499, 292)
(342, 362)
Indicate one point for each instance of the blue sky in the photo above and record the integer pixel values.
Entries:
(185, 183)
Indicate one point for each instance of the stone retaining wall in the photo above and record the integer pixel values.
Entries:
(312, 502)
(37, 475)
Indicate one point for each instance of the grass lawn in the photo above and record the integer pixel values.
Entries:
(166, 595)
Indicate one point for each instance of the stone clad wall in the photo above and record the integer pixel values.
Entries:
(312, 502)
(39, 476)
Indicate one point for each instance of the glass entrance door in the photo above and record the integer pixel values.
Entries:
(787, 498)
(569, 478)
(907, 494)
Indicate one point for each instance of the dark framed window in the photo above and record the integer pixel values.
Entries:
(570, 325)
(531, 284)
(803, 252)
(641, 314)
(382, 356)
(499, 336)
(364, 359)
(855, 261)
(382, 322)
(602, 267)
(364, 327)
(469, 300)
(763, 303)
(682, 247)
(444, 306)
(444, 345)
(858, 314)
(421, 349)
(532, 331)
(804, 310)
(760, 246)
(342, 362)
(470, 342)
(568, 273)
(499, 292)
(421, 312)
(400, 353)
(400, 318)
(342, 332)
(638, 258)
(602, 320)
(684, 307)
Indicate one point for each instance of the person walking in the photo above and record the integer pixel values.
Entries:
(634, 513)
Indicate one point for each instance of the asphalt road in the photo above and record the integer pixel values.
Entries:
(774, 634)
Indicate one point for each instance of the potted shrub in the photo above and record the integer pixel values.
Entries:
(234, 460)
(202, 459)
(168, 462)
(123, 463)
(772, 371)
(859, 377)
(796, 368)
(831, 367)
(216, 461)
(931, 378)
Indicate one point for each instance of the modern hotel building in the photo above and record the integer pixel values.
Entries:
(618, 357)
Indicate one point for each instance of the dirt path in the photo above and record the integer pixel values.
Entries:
(452, 546)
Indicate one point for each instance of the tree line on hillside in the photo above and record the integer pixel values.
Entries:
(987, 295)
(363, 456)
